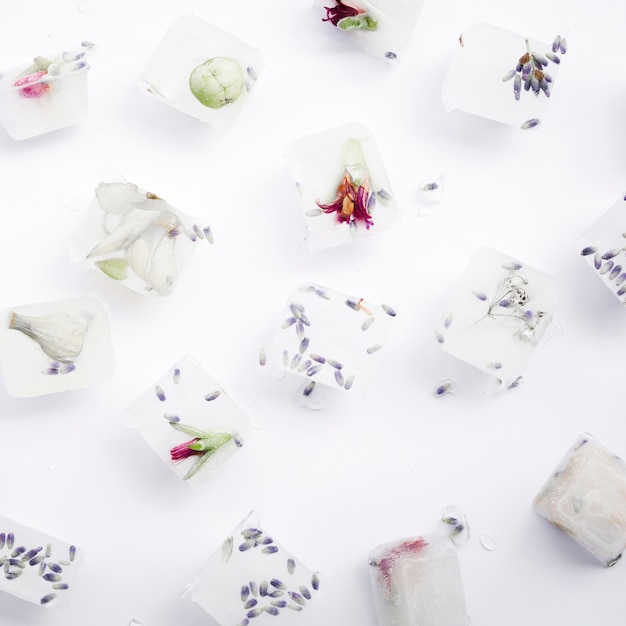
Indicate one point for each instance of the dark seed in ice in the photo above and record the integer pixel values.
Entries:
(252, 602)
(48, 598)
(272, 610)
(296, 597)
(305, 592)
(610, 254)
(315, 582)
(278, 583)
(308, 390)
(245, 592)
(60, 586)
(11, 540)
(334, 364)
(53, 578)
(387, 309)
(589, 250)
(55, 567)
(72, 552)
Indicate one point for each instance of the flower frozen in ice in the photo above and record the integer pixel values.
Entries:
(203, 445)
(346, 17)
(352, 201)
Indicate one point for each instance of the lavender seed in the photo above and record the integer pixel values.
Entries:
(620, 279)
(277, 593)
(295, 607)
(291, 566)
(373, 349)
(251, 533)
(352, 304)
(553, 57)
(296, 309)
(3, 539)
(176, 376)
(615, 272)
(334, 364)
(597, 261)
(317, 357)
(171, 418)
(296, 597)
(159, 393)
(244, 622)
(439, 336)
(64, 563)
(322, 294)
(36, 560)
(42, 569)
(57, 569)
(305, 592)
(349, 382)
(281, 604)
(53, 578)
(72, 552)
(31, 553)
(305, 320)
(48, 598)
(607, 267)
(315, 581)
(313, 212)
(252, 602)
(308, 390)
(11, 540)
(285, 358)
(304, 344)
(245, 592)
(19, 550)
(383, 195)
(610, 254)
(512, 267)
(508, 75)
(533, 122)
(480, 295)
(621, 291)
(263, 588)
(295, 361)
(339, 378)
(251, 73)
(300, 330)
(313, 370)
(272, 610)
(262, 357)
(13, 575)
(388, 310)
(290, 321)
(270, 550)
(448, 321)
(254, 612)
(556, 43)
(367, 323)
(208, 234)
(60, 586)
(254, 588)
(213, 395)
(444, 387)
(563, 45)
(278, 584)
(304, 365)
(17, 563)
(246, 545)
(589, 250)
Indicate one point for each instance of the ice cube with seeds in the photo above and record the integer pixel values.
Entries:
(189, 421)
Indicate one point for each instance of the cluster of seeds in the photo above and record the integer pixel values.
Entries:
(272, 595)
(18, 561)
(254, 537)
(608, 266)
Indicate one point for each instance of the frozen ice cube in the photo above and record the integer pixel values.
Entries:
(136, 238)
(342, 185)
(330, 338)
(497, 315)
(55, 346)
(501, 75)
(203, 71)
(383, 28)
(49, 94)
(37, 567)
(586, 498)
(602, 245)
(417, 582)
(250, 575)
(189, 420)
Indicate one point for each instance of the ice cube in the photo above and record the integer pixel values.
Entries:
(37, 567)
(251, 574)
(342, 185)
(501, 75)
(586, 498)
(330, 338)
(189, 420)
(383, 28)
(417, 582)
(202, 71)
(136, 238)
(498, 315)
(55, 346)
(602, 245)
(49, 94)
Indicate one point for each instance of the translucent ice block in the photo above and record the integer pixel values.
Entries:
(37, 567)
(602, 245)
(189, 421)
(501, 75)
(417, 582)
(342, 184)
(136, 238)
(203, 71)
(55, 346)
(586, 498)
(383, 28)
(49, 94)
(331, 338)
(252, 576)
(498, 315)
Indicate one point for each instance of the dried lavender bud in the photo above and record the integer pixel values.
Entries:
(589, 250)
(531, 123)
(480, 295)
(556, 43)
(553, 57)
(607, 267)
(509, 75)
(291, 565)
(388, 310)
(610, 254)
(597, 261)
(160, 394)
(615, 272)
(517, 86)
(213, 395)
(563, 45)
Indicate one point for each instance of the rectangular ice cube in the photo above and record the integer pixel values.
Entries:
(497, 315)
(417, 582)
(55, 346)
(252, 575)
(136, 238)
(189, 420)
(342, 184)
(35, 566)
(383, 28)
(501, 75)
(602, 245)
(202, 71)
(49, 94)
(331, 338)
(586, 498)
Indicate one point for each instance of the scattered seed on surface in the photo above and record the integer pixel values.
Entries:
(160, 394)
(291, 566)
(53, 578)
(48, 598)
(349, 382)
(373, 349)
(252, 602)
(388, 310)
(244, 593)
(213, 395)
(270, 550)
(305, 592)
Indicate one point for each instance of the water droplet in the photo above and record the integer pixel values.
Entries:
(83, 7)
(488, 542)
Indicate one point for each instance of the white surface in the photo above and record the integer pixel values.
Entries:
(330, 485)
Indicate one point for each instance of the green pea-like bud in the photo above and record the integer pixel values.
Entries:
(217, 82)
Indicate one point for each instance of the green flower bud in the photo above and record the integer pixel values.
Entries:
(217, 82)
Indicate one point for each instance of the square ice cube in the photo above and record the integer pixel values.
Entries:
(251, 574)
(603, 244)
(37, 567)
(342, 184)
(383, 28)
(330, 338)
(586, 498)
(136, 238)
(417, 582)
(203, 71)
(501, 75)
(498, 315)
(55, 346)
(49, 94)
(189, 421)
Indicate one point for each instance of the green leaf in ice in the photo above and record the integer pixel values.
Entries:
(362, 21)
(115, 268)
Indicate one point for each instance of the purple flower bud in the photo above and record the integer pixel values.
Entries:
(588, 250)
(553, 57)
(517, 86)
(531, 123)
(556, 43)
(563, 45)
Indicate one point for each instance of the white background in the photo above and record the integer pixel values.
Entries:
(329, 485)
